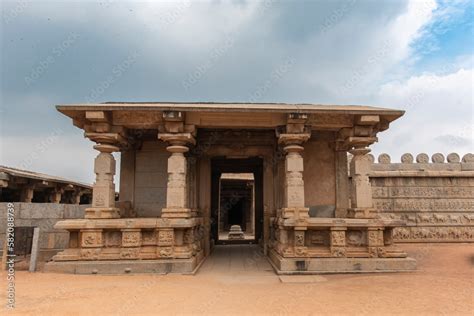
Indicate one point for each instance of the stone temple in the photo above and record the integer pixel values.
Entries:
(191, 171)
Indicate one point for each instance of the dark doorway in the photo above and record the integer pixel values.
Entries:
(23, 241)
(236, 198)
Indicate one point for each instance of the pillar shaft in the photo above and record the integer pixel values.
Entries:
(26, 194)
(177, 186)
(103, 192)
(294, 202)
(294, 183)
(361, 189)
(55, 196)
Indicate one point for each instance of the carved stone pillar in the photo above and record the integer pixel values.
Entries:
(26, 194)
(294, 204)
(361, 190)
(103, 192)
(55, 195)
(177, 187)
(76, 196)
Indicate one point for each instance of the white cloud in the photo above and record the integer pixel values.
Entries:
(408, 27)
(439, 114)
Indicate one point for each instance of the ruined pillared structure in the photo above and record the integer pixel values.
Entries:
(307, 216)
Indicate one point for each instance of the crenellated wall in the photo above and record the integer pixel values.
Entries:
(434, 196)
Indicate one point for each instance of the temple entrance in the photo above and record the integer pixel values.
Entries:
(236, 200)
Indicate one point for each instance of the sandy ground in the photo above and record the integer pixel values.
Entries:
(442, 285)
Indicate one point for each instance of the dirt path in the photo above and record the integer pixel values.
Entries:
(442, 285)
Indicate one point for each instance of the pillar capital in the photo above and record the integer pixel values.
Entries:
(177, 139)
(293, 139)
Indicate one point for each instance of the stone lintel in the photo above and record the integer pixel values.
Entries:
(342, 223)
(176, 213)
(362, 212)
(130, 223)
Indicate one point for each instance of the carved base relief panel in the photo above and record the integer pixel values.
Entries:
(140, 239)
(435, 199)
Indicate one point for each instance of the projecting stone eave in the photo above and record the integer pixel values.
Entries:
(230, 115)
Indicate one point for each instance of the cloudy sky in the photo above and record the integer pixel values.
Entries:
(414, 55)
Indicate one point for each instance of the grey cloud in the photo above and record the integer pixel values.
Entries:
(330, 43)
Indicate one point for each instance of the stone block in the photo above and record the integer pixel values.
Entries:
(293, 266)
(360, 165)
(295, 196)
(150, 195)
(25, 222)
(294, 163)
(91, 238)
(177, 164)
(149, 209)
(322, 211)
(41, 210)
(3, 210)
(162, 266)
(61, 240)
(147, 161)
(45, 224)
(103, 195)
(176, 197)
(104, 163)
(53, 240)
(72, 211)
(467, 166)
(131, 238)
(151, 179)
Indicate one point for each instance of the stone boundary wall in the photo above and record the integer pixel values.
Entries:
(435, 197)
(44, 216)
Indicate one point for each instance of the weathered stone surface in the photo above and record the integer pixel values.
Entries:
(41, 210)
(453, 158)
(384, 158)
(340, 265)
(437, 158)
(74, 211)
(436, 202)
(422, 158)
(44, 216)
(407, 158)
